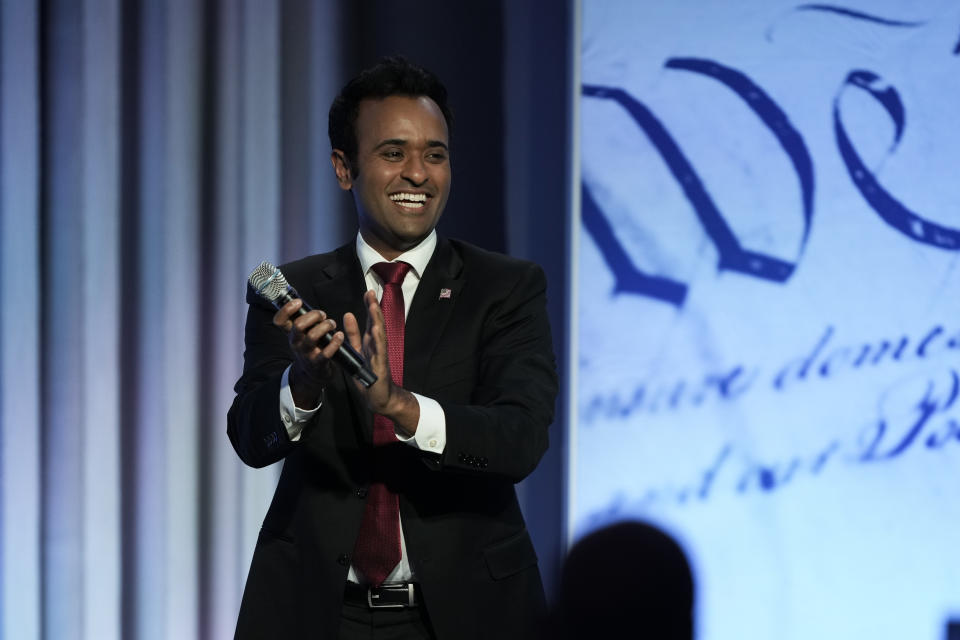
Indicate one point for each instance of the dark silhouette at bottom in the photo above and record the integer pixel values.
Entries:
(627, 580)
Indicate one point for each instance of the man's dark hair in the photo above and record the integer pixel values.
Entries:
(392, 76)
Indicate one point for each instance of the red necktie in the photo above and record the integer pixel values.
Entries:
(377, 550)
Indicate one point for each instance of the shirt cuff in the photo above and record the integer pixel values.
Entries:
(293, 418)
(431, 432)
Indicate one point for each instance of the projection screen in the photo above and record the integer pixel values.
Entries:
(768, 306)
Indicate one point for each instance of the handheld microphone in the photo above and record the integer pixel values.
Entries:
(271, 285)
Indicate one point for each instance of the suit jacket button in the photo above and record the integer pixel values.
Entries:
(362, 492)
(343, 560)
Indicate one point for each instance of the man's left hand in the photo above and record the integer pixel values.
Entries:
(384, 396)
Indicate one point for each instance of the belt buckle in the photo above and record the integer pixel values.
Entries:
(375, 604)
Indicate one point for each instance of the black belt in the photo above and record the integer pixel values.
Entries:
(397, 595)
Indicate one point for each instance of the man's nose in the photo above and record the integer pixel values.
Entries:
(415, 171)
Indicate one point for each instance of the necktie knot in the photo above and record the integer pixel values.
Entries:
(391, 272)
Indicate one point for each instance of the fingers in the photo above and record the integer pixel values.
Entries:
(286, 318)
(374, 318)
(333, 346)
(308, 335)
(314, 345)
(374, 312)
(352, 328)
(313, 326)
(376, 332)
(286, 314)
(375, 351)
(375, 337)
(307, 332)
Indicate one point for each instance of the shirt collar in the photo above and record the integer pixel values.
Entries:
(417, 257)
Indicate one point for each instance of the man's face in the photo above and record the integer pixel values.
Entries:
(402, 174)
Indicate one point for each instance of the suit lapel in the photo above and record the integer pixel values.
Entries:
(339, 289)
(432, 306)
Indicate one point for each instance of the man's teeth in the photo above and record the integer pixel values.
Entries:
(409, 200)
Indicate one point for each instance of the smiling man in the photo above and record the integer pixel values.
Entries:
(396, 515)
(400, 173)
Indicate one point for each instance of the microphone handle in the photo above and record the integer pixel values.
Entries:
(346, 356)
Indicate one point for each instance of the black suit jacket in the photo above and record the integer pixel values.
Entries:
(485, 354)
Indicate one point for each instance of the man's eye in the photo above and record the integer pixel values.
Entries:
(436, 157)
(392, 154)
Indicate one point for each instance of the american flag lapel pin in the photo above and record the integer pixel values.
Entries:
(445, 294)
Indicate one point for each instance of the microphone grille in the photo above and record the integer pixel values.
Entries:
(267, 281)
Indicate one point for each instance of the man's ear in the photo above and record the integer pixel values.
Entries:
(341, 167)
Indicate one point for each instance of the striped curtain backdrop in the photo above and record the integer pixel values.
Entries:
(151, 154)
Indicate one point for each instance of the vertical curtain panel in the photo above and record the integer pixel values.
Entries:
(147, 156)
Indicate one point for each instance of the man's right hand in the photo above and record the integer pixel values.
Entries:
(312, 369)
